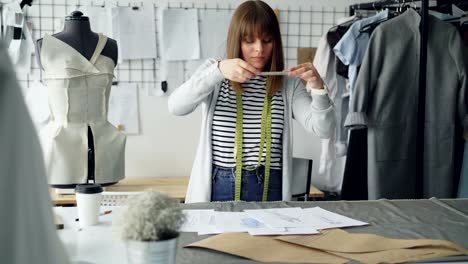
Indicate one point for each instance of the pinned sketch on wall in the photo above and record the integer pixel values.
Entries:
(172, 72)
(135, 31)
(213, 32)
(155, 90)
(180, 38)
(17, 36)
(191, 67)
(12, 21)
(37, 101)
(26, 50)
(100, 19)
(123, 108)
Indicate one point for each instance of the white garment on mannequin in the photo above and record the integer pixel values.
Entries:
(79, 91)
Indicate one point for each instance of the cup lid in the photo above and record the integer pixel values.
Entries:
(88, 188)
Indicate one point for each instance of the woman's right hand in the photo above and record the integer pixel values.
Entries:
(237, 70)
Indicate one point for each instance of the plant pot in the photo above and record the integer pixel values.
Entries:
(142, 252)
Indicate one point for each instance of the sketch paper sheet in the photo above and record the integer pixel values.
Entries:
(196, 220)
(213, 33)
(123, 108)
(100, 19)
(231, 222)
(37, 101)
(173, 73)
(279, 217)
(135, 32)
(180, 38)
(323, 219)
(210, 228)
(283, 231)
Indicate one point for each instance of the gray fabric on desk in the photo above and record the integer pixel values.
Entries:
(404, 219)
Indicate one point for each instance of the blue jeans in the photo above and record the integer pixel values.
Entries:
(223, 184)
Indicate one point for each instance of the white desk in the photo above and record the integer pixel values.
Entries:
(94, 244)
(405, 219)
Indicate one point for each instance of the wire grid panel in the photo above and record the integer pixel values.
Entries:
(300, 27)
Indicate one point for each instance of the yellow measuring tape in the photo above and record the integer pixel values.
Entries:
(265, 135)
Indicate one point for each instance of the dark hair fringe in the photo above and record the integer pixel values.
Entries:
(256, 18)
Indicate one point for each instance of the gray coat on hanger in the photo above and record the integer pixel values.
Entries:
(386, 102)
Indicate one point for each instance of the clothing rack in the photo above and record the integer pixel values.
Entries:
(445, 6)
(424, 12)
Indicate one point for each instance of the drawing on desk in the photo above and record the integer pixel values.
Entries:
(284, 217)
(323, 219)
(278, 217)
(196, 220)
(252, 223)
(329, 221)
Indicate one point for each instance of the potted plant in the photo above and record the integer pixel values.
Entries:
(149, 224)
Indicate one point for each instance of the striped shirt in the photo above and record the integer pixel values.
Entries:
(224, 125)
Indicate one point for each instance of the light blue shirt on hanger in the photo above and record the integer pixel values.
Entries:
(352, 46)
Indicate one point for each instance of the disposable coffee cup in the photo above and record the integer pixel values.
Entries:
(88, 199)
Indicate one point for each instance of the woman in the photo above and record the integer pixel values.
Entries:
(243, 110)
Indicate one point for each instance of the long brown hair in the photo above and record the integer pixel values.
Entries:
(256, 18)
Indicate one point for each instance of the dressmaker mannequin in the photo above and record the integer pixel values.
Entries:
(25, 2)
(78, 35)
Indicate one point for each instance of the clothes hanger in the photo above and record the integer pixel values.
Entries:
(370, 27)
(356, 17)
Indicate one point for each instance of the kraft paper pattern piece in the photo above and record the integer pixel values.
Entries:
(368, 248)
(265, 249)
(359, 243)
(399, 255)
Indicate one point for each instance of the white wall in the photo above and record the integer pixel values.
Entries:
(166, 145)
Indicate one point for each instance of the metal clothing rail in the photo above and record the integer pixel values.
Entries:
(378, 5)
(424, 12)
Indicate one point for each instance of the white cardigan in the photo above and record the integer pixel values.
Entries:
(202, 89)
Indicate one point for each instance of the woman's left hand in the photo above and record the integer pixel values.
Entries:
(307, 72)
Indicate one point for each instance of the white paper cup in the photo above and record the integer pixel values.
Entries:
(88, 200)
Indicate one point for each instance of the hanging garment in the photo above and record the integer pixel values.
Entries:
(464, 29)
(333, 37)
(27, 230)
(386, 98)
(463, 186)
(332, 159)
(17, 36)
(333, 149)
(78, 97)
(352, 46)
